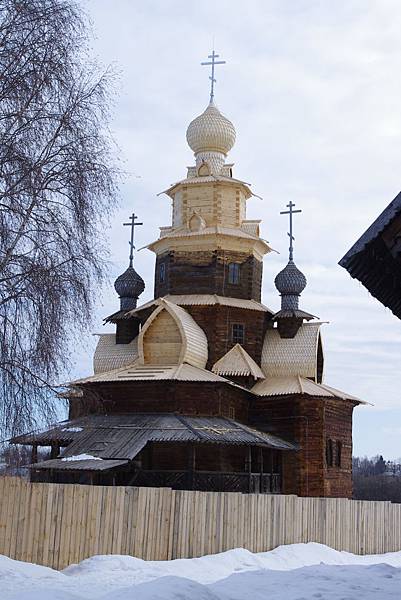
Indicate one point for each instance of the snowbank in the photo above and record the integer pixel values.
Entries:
(294, 572)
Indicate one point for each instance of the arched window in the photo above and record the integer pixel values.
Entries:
(234, 270)
(203, 170)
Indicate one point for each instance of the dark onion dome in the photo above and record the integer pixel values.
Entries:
(290, 281)
(129, 286)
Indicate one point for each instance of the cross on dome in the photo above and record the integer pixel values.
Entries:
(213, 62)
(132, 224)
(290, 212)
(211, 135)
(129, 285)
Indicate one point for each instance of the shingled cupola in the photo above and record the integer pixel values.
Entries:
(211, 136)
(290, 283)
(129, 286)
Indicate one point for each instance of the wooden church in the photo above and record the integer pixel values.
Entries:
(204, 387)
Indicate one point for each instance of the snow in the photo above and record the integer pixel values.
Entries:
(72, 429)
(82, 457)
(295, 572)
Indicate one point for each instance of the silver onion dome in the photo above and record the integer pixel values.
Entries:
(290, 281)
(129, 286)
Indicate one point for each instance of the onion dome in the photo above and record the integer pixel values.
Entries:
(290, 281)
(211, 132)
(129, 286)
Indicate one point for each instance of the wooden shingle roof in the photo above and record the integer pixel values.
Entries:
(109, 355)
(283, 357)
(237, 362)
(297, 385)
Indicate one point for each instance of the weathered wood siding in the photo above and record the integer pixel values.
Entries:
(207, 273)
(217, 321)
(60, 524)
(182, 397)
(310, 422)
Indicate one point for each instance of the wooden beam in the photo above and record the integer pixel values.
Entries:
(191, 464)
(249, 465)
(260, 469)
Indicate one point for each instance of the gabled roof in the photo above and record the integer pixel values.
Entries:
(375, 259)
(282, 357)
(378, 226)
(109, 355)
(205, 300)
(237, 362)
(295, 384)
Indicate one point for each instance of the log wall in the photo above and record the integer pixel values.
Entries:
(60, 524)
(207, 273)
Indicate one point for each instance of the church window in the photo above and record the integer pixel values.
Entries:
(238, 333)
(338, 454)
(329, 453)
(234, 273)
(162, 273)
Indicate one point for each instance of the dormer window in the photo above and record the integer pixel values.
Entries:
(234, 270)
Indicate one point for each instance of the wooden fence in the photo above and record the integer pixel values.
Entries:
(60, 524)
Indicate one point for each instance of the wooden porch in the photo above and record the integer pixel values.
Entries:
(210, 481)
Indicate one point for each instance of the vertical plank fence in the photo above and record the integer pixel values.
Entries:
(59, 524)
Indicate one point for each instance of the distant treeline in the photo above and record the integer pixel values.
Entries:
(377, 479)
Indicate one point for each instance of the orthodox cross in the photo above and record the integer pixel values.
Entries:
(290, 212)
(132, 224)
(213, 62)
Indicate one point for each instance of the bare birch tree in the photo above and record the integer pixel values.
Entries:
(56, 187)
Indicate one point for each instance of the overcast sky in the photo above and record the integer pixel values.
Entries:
(313, 89)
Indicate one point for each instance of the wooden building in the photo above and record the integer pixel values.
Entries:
(375, 259)
(205, 387)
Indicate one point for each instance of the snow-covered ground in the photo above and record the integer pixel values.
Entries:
(294, 572)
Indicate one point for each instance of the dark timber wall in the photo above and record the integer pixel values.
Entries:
(311, 422)
(188, 398)
(207, 273)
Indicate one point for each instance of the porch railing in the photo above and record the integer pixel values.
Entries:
(214, 481)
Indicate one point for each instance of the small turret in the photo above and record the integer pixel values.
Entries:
(211, 136)
(129, 286)
(290, 283)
